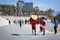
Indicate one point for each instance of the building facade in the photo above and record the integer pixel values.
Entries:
(28, 5)
(20, 5)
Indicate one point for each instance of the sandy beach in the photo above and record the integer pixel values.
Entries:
(59, 29)
(4, 21)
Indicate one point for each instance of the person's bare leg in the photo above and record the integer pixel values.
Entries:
(35, 32)
(32, 31)
(44, 32)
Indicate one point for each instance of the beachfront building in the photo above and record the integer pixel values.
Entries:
(28, 5)
(20, 5)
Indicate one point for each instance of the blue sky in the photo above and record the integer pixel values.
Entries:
(42, 4)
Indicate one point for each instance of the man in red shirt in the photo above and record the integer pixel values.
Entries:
(33, 21)
(33, 24)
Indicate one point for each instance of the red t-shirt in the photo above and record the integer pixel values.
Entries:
(33, 23)
(42, 22)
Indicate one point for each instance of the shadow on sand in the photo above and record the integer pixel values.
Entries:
(25, 34)
(16, 34)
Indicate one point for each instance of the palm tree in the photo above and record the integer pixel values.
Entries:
(49, 12)
(35, 11)
(5, 9)
(13, 10)
(27, 11)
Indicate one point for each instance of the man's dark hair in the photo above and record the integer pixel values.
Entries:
(42, 18)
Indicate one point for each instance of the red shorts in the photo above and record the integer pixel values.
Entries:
(33, 28)
(42, 29)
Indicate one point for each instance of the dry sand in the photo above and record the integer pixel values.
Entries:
(58, 28)
(3, 20)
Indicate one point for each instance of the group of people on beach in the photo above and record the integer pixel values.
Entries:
(33, 24)
(34, 20)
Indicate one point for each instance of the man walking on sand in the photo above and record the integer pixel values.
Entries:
(55, 25)
(33, 21)
(20, 23)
